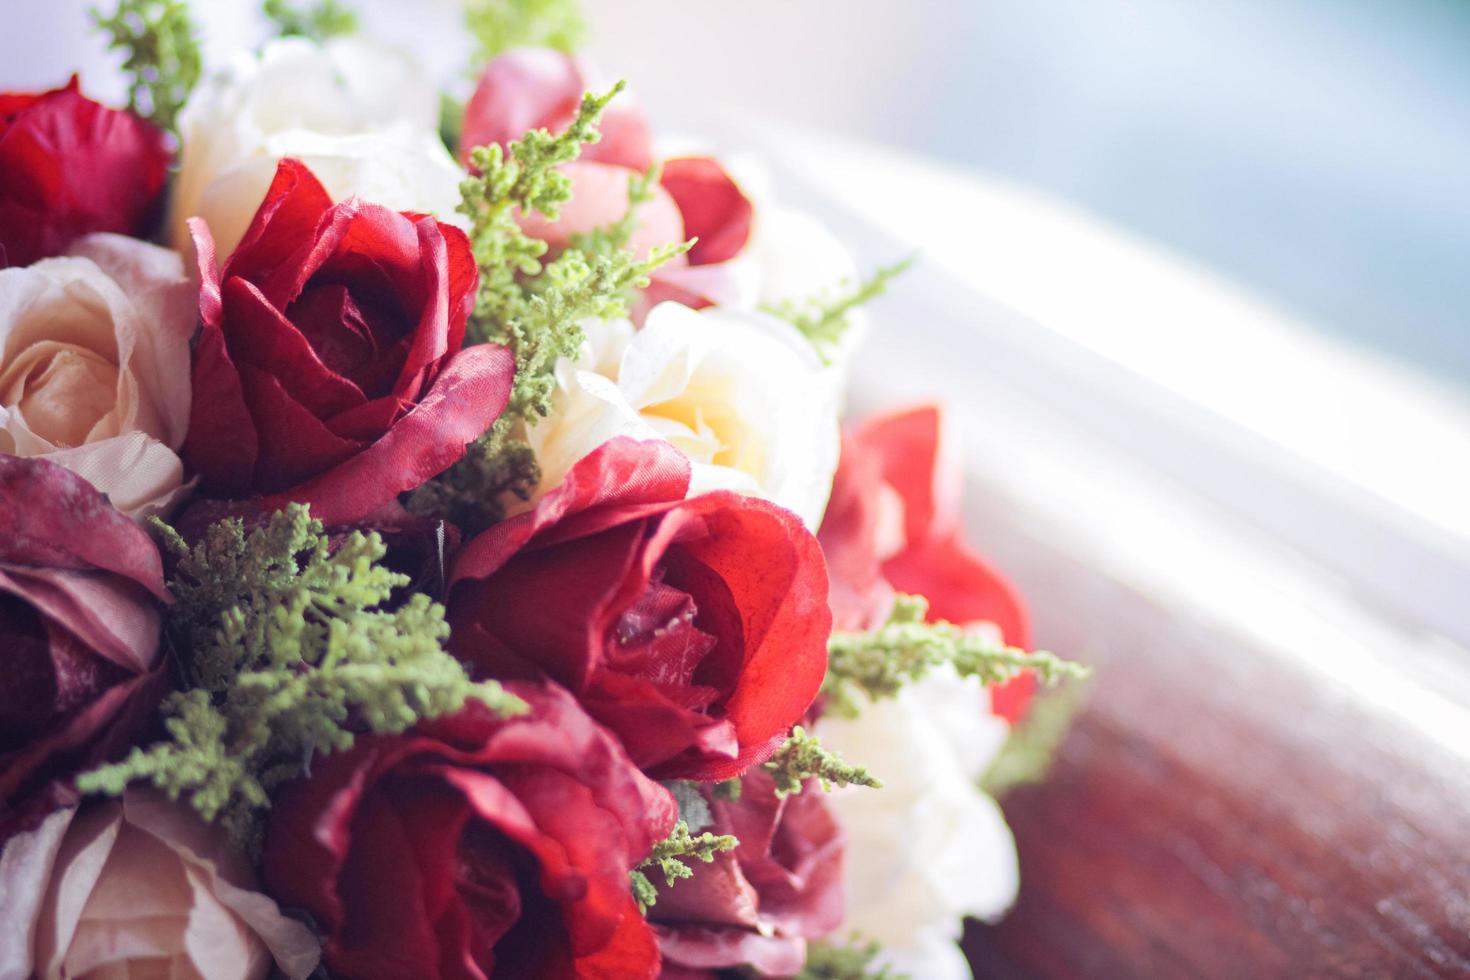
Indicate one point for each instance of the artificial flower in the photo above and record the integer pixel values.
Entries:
(134, 887)
(94, 352)
(362, 116)
(69, 166)
(696, 197)
(695, 629)
(741, 394)
(474, 847)
(929, 848)
(328, 368)
(541, 88)
(894, 524)
(80, 588)
(758, 904)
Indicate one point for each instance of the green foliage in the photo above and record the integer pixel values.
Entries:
(499, 25)
(1031, 748)
(671, 856)
(162, 55)
(801, 757)
(823, 319)
(318, 21)
(286, 650)
(535, 308)
(827, 960)
(879, 663)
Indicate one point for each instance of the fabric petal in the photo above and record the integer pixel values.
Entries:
(463, 402)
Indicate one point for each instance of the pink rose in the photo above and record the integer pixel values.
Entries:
(139, 887)
(697, 198)
(540, 88)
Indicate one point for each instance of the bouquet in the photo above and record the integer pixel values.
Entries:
(431, 548)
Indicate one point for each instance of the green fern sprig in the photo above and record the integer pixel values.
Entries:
(877, 664)
(162, 55)
(287, 649)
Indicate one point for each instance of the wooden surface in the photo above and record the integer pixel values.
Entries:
(1218, 813)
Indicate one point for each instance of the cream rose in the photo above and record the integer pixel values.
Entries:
(934, 848)
(123, 887)
(94, 366)
(797, 259)
(363, 117)
(742, 394)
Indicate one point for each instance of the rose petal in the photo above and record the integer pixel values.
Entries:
(274, 252)
(222, 444)
(78, 529)
(715, 209)
(464, 400)
(600, 198)
(916, 461)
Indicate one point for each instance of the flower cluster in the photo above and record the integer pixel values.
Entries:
(431, 558)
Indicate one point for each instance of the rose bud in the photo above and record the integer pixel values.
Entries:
(474, 847)
(695, 629)
(893, 524)
(541, 88)
(139, 887)
(759, 904)
(94, 366)
(533, 88)
(80, 589)
(329, 368)
(70, 166)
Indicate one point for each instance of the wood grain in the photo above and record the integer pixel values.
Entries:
(1218, 813)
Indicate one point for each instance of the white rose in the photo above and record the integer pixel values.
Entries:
(364, 118)
(742, 394)
(139, 887)
(94, 366)
(797, 259)
(929, 848)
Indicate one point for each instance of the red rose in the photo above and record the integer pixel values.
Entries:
(695, 629)
(758, 904)
(80, 588)
(894, 524)
(474, 847)
(328, 368)
(68, 167)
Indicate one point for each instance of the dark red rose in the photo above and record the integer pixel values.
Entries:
(328, 368)
(69, 167)
(695, 629)
(474, 847)
(80, 591)
(758, 904)
(541, 88)
(894, 524)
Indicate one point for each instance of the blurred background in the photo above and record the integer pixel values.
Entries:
(1315, 151)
